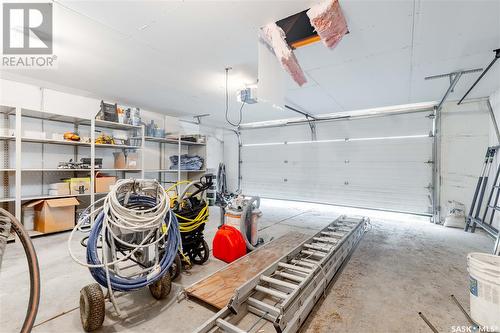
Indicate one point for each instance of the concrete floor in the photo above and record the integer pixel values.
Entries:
(403, 265)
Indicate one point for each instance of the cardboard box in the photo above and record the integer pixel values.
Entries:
(78, 185)
(128, 161)
(54, 215)
(132, 161)
(104, 183)
(59, 189)
(120, 162)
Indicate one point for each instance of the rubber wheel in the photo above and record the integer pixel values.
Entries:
(200, 255)
(92, 307)
(161, 288)
(175, 269)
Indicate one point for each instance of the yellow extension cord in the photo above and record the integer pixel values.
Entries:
(186, 224)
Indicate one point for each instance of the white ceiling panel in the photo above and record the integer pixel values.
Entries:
(370, 82)
(375, 28)
(170, 56)
(313, 100)
(451, 30)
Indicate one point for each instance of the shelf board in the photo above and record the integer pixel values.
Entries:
(170, 141)
(171, 171)
(78, 143)
(189, 143)
(56, 170)
(7, 137)
(39, 197)
(115, 146)
(37, 114)
(113, 125)
(125, 170)
(36, 234)
(7, 199)
(56, 142)
(4, 109)
(7, 170)
(161, 140)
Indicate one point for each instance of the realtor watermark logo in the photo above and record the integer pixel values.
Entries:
(473, 329)
(28, 36)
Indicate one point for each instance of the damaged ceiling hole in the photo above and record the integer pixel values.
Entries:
(299, 31)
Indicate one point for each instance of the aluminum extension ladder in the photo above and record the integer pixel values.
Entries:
(482, 213)
(286, 291)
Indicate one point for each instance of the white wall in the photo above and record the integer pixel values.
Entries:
(464, 140)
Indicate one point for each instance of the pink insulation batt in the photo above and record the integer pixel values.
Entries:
(329, 22)
(275, 38)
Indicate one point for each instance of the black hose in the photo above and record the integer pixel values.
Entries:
(34, 271)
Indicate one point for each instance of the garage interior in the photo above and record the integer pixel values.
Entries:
(250, 166)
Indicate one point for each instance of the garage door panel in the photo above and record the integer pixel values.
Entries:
(373, 180)
(387, 172)
(368, 151)
(346, 196)
(394, 125)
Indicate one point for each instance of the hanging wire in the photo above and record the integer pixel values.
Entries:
(227, 104)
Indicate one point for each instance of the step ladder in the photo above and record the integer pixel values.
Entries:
(285, 292)
(481, 212)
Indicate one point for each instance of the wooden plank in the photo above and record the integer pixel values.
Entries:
(218, 288)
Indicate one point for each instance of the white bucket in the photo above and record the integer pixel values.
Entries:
(484, 287)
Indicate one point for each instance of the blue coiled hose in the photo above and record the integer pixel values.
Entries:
(127, 284)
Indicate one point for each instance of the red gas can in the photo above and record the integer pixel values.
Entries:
(228, 244)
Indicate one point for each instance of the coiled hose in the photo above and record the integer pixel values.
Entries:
(8, 221)
(136, 207)
(127, 284)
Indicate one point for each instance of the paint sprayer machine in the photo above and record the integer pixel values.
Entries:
(133, 240)
(191, 209)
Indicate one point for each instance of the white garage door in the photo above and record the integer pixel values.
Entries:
(380, 163)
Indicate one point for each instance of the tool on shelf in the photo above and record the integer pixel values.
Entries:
(285, 292)
(85, 163)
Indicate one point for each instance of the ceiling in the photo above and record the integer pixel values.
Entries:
(170, 56)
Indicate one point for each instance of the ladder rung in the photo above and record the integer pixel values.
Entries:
(228, 327)
(261, 314)
(326, 240)
(331, 234)
(303, 263)
(339, 229)
(290, 277)
(271, 292)
(263, 306)
(295, 268)
(278, 282)
(351, 220)
(312, 261)
(313, 253)
(317, 247)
